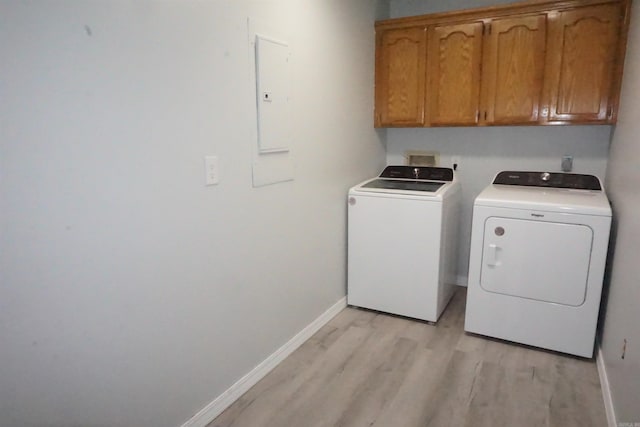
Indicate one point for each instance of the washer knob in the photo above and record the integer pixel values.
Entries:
(545, 176)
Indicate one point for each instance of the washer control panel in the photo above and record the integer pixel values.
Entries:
(418, 172)
(549, 179)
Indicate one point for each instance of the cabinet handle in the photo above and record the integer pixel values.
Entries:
(477, 116)
(485, 115)
(609, 112)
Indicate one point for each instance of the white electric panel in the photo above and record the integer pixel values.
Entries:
(272, 94)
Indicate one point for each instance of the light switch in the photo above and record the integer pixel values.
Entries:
(212, 171)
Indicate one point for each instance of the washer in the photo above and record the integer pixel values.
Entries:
(402, 241)
(538, 249)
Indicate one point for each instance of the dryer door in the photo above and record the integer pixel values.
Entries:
(545, 261)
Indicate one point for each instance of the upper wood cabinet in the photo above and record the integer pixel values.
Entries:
(513, 69)
(400, 76)
(453, 91)
(539, 62)
(581, 63)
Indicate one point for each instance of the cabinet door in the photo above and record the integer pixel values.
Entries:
(454, 58)
(583, 44)
(513, 69)
(400, 76)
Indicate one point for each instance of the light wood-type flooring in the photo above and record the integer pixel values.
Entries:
(366, 368)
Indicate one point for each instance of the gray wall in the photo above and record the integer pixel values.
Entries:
(130, 293)
(622, 319)
(485, 151)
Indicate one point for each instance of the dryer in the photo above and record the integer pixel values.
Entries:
(538, 250)
(402, 241)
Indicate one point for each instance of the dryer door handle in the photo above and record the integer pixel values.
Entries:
(492, 255)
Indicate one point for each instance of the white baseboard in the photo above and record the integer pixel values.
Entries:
(222, 402)
(462, 281)
(606, 391)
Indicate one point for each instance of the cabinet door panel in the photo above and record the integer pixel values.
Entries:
(581, 62)
(514, 69)
(454, 73)
(400, 78)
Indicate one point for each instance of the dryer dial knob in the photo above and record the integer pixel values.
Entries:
(545, 176)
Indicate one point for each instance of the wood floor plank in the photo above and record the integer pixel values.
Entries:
(577, 397)
(506, 396)
(450, 403)
(315, 403)
(415, 391)
(380, 387)
(292, 383)
(366, 368)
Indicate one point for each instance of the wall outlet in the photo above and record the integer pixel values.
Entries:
(455, 162)
(212, 170)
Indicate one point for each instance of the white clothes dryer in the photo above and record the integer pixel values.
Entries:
(402, 241)
(538, 250)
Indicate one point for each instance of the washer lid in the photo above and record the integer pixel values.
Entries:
(402, 184)
(410, 181)
(586, 202)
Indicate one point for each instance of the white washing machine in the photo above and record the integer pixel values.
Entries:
(538, 250)
(402, 241)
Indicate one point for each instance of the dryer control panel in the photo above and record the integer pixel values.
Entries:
(549, 179)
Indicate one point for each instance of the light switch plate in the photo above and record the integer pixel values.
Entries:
(212, 170)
